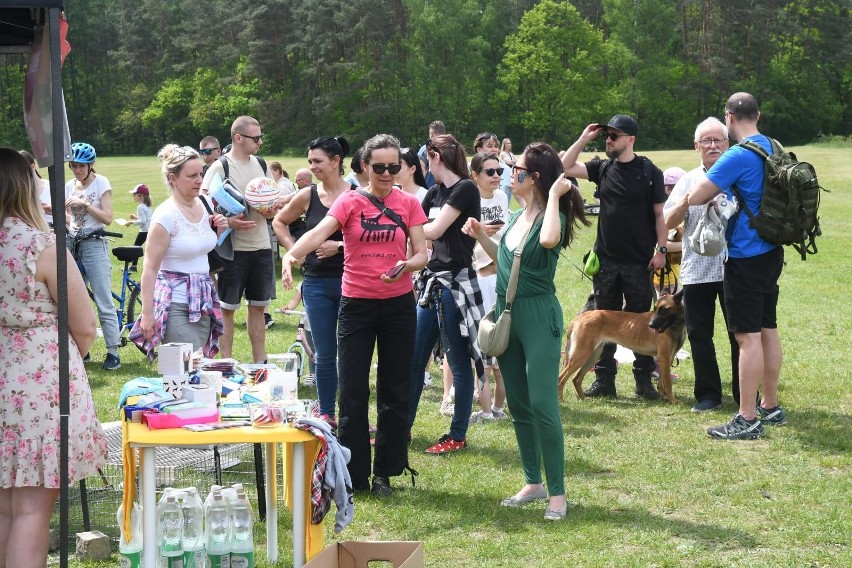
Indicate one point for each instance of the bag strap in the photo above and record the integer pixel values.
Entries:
(225, 167)
(387, 211)
(512, 287)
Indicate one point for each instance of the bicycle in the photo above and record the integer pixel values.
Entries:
(303, 348)
(131, 291)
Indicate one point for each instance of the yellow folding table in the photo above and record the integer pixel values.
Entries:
(300, 451)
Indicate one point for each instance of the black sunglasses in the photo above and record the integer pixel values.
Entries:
(379, 169)
(614, 136)
(256, 139)
(491, 171)
(207, 151)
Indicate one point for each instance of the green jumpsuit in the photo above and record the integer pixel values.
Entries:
(530, 364)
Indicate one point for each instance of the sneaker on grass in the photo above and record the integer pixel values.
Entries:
(480, 416)
(737, 429)
(448, 408)
(771, 416)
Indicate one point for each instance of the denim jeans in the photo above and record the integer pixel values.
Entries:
(95, 258)
(367, 325)
(322, 304)
(429, 327)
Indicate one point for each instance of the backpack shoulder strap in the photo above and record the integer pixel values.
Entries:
(224, 161)
(262, 163)
(757, 148)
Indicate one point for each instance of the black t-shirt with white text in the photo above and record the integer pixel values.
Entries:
(626, 228)
(453, 250)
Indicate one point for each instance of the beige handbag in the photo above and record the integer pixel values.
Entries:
(493, 336)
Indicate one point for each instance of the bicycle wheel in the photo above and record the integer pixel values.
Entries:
(134, 305)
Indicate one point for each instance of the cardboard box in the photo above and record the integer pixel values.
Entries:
(200, 393)
(358, 554)
(175, 384)
(174, 359)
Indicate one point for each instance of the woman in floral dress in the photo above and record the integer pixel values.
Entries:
(29, 382)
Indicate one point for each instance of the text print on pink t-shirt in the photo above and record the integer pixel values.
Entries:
(373, 243)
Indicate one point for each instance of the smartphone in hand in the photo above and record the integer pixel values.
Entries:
(395, 270)
(495, 222)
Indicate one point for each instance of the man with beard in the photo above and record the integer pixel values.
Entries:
(631, 237)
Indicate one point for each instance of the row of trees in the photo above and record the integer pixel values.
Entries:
(143, 72)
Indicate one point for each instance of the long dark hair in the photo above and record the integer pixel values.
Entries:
(337, 146)
(541, 158)
(451, 153)
(410, 157)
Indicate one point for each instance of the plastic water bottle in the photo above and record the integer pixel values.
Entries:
(171, 521)
(193, 530)
(242, 539)
(218, 533)
(130, 552)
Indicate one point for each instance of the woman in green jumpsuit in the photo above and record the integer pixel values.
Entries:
(530, 363)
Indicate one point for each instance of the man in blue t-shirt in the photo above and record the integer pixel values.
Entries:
(751, 276)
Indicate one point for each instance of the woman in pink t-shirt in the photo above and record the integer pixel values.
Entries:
(377, 307)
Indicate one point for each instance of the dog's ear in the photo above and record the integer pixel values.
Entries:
(679, 296)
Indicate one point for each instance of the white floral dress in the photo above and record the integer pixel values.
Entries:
(29, 379)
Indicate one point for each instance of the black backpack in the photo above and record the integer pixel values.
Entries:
(790, 204)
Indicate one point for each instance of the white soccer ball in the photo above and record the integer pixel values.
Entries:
(261, 194)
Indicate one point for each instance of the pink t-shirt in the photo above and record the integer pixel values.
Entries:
(372, 243)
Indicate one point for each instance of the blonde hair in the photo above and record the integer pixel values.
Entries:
(173, 158)
(18, 190)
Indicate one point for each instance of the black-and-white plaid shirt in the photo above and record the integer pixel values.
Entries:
(694, 268)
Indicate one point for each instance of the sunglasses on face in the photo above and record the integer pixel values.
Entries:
(491, 171)
(256, 139)
(208, 151)
(522, 173)
(379, 169)
(614, 135)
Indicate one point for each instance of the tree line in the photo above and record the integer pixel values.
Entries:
(145, 72)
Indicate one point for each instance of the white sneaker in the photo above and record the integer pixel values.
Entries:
(499, 414)
(480, 416)
(448, 408)
(427, 380)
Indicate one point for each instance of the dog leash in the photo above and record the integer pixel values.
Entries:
(580, 270)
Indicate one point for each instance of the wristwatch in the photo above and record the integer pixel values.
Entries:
(663, 249)
(340, 246)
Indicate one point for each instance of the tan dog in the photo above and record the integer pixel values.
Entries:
(659, 333)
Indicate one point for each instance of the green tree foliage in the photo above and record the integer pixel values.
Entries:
(559, 74)
(145, 72)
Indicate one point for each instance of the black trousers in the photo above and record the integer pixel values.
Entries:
(624, 287)
(700, 304)
(363, 325)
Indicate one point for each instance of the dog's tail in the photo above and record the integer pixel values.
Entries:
(563, 375)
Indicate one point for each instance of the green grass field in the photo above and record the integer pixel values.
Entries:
(646, 486)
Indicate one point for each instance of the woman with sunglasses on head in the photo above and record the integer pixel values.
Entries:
(322, 266)
(485, 171)
(180, 302)
(29, 384)
(450, 303)
(376, 311)
(488, 142)
(88, 201)
(410, 178)
(530, 363)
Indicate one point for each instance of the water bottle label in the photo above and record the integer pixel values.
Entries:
(193, 559)
(171, 561)
(242, 560)
(220, 560)
(130, 560)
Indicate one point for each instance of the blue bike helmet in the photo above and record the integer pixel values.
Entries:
(82, 153)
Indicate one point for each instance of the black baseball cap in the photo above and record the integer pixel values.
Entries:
(622, 122)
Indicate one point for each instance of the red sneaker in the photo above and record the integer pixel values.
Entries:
(330, 420)
(447, 445)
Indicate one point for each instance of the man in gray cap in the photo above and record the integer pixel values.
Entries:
(631, 238)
